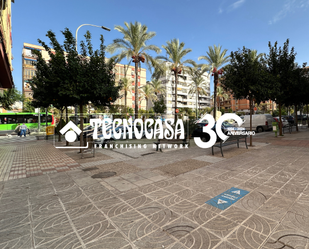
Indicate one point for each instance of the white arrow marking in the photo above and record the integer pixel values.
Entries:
(221, 201)
(236, 192)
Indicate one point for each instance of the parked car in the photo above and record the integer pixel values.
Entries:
(260, 122)
(284, 121)
(301, 117)
(289, 118)
(198, 131)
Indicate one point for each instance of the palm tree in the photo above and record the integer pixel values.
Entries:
(148, 93)
(126, 87)
(158, 88)
(175, 54)
(199, 84)
(133, 46)
(221, 94)
(216, 59)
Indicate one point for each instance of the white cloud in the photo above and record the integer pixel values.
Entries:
(220, 11)
(288, 7)
(236, 5)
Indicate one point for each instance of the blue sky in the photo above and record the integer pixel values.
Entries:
(198, 23)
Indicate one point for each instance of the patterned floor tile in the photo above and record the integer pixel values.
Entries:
(69, 241)
(275, 208)
(95, 230)
(183, 207)
(49, 234)
(260, 224)
(163, 217)
(200, 215)
(220, 226)
(287, 237)
(251, 202)
(200, 238)
(246, 238)
(179, 228)
(156, 240)
(18, 243)
(236, 214)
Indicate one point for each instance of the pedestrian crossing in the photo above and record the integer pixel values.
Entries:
(15, 139)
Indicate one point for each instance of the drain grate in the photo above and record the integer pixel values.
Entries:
(104, 174)
(89, 169)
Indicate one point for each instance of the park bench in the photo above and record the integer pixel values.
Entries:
(158, 143)
(234, 139)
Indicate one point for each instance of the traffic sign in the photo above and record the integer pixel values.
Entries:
(177, 110)
(255, 108)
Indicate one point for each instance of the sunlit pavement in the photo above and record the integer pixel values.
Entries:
(147, 207)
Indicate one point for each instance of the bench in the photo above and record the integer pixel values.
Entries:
(170, 141)
(234, 139)
(289, 128)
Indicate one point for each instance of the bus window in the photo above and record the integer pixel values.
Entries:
(28, 118)
(20, 119)
(12, 120)
(1, 120)
(49, 119)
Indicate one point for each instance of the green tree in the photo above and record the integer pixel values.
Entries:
(148, 93)
(246, 78)
(134, 46)
(69, 78)
(280, 66)
(215, 59)
(158, 87)
(159, 106)
(126, 87)
(221, 95)
(9, 97)
(175, 61)
(198, 85)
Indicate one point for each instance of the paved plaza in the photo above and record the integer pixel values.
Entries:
(156, 199)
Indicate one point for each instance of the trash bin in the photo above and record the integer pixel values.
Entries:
(50, 131)
(275, 127)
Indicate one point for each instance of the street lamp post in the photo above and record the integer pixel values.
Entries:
(102, 27)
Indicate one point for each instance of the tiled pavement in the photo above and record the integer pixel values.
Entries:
(72, 210)
(31, 158)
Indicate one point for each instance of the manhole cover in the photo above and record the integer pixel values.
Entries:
(104, 174)
(91, 168)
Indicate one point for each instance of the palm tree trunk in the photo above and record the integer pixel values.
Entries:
(136, 90)
(125, 102)
(196, 105)
(176, 83)
(215, 93)
(199, 111)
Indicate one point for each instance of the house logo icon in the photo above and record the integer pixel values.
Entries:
(71, 135)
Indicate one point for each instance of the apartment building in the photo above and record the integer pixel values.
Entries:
(28, 71)
(184, 98)
(6, 57)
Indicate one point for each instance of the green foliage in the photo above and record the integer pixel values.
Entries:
(159, 106)
(9, 97)
(28, 105)
(60, 125)
(134, 45)
(175, 56)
